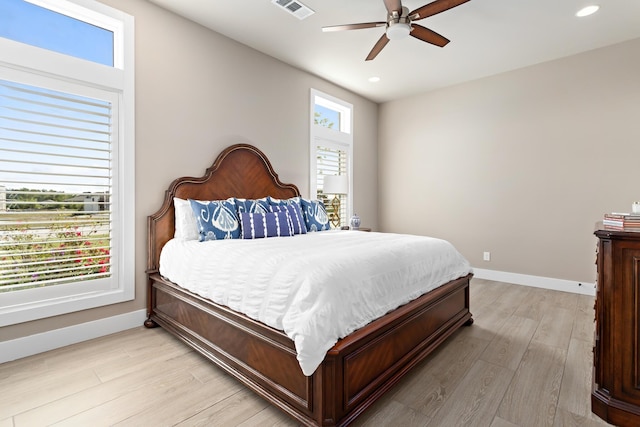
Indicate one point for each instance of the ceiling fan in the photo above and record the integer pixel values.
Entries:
(400, 24)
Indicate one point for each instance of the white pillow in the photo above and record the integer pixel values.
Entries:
(186, 225)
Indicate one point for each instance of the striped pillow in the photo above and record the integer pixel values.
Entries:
(270, 224)
(295, 216)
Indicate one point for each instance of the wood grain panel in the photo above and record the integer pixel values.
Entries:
(364, 365)
(437, 378)
(634, 323)
(475, 400)
(511, 342)
(521, 406)
(576, 381)
(267, 361)
(555, 327)
(626, 321)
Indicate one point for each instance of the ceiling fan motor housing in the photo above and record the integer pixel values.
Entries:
(398, 26)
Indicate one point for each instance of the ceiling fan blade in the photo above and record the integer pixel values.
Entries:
(434, 8)
(427, 35)
(354, 26)
(393, 6)
(382, 42)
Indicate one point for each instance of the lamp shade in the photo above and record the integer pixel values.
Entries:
(335, 184)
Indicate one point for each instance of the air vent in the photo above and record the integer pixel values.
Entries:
(295, 8)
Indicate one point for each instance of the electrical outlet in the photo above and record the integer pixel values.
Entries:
(486, 256)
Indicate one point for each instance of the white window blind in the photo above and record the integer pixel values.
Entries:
(331, 161)
(55, 187)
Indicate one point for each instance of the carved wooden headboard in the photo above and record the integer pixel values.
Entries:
(241, 171)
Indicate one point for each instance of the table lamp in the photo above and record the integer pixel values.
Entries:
(336, 185)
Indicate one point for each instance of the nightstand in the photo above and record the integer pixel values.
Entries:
(346, 227)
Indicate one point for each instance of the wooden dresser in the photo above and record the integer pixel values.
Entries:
(616, 353)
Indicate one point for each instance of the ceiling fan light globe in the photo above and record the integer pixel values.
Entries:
(396, 31)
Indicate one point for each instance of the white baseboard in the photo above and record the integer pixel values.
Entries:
(45, 341)
(536, 281)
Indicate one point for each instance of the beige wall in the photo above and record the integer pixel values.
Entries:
(198, 92)
(520, 164)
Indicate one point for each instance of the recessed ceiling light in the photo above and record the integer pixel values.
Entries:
(374, 79)
(586, 11)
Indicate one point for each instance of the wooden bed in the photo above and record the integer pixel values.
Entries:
(357, 371)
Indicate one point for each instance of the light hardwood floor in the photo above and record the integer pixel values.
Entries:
(526, 361)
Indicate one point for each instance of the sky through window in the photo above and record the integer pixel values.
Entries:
(34, 25)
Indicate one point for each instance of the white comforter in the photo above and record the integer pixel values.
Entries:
(317, 287)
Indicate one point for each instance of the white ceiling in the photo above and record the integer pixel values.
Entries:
(487, 37)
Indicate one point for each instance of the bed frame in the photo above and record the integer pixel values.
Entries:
(356, 372)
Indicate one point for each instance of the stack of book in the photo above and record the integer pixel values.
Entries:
(620, 221)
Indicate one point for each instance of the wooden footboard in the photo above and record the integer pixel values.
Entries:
(356, 371)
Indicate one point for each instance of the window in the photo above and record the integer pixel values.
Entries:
(90, 38)
(66, 152)
(331, 151)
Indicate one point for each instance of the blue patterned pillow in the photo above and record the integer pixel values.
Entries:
(283, 202)
(270, 224)
(296, 218)
(217, 219)
(315, 215)
(277, 202)
(252, 205)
